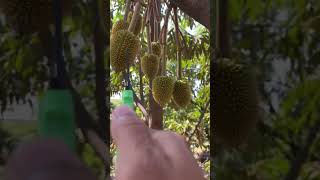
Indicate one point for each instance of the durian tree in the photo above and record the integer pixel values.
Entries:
(167, 54)
(279, 39)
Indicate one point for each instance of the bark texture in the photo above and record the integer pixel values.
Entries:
(199, 10)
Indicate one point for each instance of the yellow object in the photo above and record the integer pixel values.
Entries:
(119, 25)
(124, 48)
(162, 89)
(156, 48)
(182, 93)
(150, 65)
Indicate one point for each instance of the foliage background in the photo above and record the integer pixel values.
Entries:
(24, 73)
(280, 38)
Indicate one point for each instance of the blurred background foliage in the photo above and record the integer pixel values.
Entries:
(280, 38)
(24, 74)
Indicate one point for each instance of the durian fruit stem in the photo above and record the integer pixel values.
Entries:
(135, 16)
(163, 41)
(141, 80)
(155, 26)
(157, 18)
(149, 38)
(176, 23)
(126, 13)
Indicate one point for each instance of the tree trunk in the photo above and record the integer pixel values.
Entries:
(100, 93)
(199, 10)
(223, 29)
(156, 121)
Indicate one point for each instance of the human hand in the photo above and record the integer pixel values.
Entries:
(46, 159)
(148, 154)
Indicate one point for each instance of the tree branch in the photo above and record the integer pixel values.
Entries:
(140, 80)
(302, 154)
(135, 16)
(99, 41)
(199, 121)
(199, 10)
(223, 38)
(176, 24)
(127, 9)
(163, 41)
(100, 72)
(140, 105)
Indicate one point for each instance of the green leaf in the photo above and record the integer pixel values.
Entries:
(255, 8)
(236, 7)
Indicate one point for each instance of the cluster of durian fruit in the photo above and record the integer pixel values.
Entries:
(235, 101)
(125, 46)
(29, 16)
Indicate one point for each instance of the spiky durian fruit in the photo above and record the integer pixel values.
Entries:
(28, 16)
(156, 48)
(119, 25)
(150, 65)
(124, 47)
(138, 26)
(162, 89)
(235, 101)
(181, 93)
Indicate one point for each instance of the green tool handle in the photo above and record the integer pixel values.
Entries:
(127, 98)
(56, 116)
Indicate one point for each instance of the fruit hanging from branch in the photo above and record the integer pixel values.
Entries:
(156, 48)
(150, 65)
(162, 89)
(119, 25)
(124, 48)
(235, 104)
(181, 93)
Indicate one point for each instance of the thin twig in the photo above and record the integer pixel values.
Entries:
(149, 38)
(163, 40)
(140, 105)
(176, 23)
(140, 80)
(200, 120)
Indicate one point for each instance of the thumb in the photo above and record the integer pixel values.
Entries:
(128, 131)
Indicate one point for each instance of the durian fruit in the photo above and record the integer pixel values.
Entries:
(150, 65)
(235, 101)
(156, 48)
(162, 89)
(181, 93)
(138, 26)
(124, 48)
(119, 25)
(29, 16)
